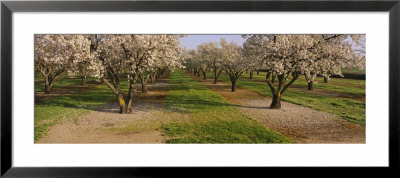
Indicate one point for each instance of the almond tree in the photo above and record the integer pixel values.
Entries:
(209, 53)
(133, 54)
(202, 59)
(233, 61)
(333, 53)
(187, 59)
(167, 58)
(51, 54)
(253, 55)
(290, 56)
(84, 56)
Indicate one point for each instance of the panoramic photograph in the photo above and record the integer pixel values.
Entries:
(200, 88)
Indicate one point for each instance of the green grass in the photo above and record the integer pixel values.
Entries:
(354, 70)
(358, 91)
(350, 110)
(61, 81)
(341, 85)
(51, 112)
(212, 118)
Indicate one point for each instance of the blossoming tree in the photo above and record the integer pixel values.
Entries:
(51, 55)
(290, 56)
(209, 54)
(134, 55)
(84, 58)
(233, 61)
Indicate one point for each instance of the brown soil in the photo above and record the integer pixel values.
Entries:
(302, 124)
(106, 125)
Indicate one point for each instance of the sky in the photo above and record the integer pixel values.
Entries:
(191, 41)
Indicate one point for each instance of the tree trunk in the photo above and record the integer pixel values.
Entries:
(144, 85)
(310, 85)
(204, 75)
(47, 86)
(157, 74)
(127, 108)
(122, 106)
(130, 94)
(251, 75)
(233, 86)
(273, 78)
(258, 72)
(215, 77)
(83, 80)
(326, 79)
(198, 74)
(153, 78)
(276, 101)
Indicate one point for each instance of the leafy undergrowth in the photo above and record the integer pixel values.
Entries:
(350, 110)
(212, 118)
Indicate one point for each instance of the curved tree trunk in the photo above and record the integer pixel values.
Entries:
(204, 75)
(273, 78)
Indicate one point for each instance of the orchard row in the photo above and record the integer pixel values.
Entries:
(112, 58)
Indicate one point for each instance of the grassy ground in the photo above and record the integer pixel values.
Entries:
(342, 85)
(61, 81)
(350, 110)
(50, 112)
(212, 118)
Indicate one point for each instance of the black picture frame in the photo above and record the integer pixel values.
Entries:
(8, 7)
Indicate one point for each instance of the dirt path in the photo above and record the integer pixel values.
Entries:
(302, 124)
(106, 125)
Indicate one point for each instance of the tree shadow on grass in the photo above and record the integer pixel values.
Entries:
(187, 105)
